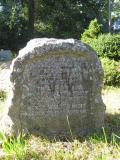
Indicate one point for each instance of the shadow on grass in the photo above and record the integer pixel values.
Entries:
(111, 131)
(112, 123)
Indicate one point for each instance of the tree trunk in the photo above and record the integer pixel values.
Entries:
(31, 18)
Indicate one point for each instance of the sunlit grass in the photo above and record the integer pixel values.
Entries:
(111, 89)
(13, 147)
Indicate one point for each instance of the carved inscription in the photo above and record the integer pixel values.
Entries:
(56, 87)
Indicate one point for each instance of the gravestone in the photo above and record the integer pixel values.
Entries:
(5, 55)
(56, 87)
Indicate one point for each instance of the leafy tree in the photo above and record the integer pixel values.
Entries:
(116, 9)
(31, 17)
(22, 20)
(68, 18)
(13, 25)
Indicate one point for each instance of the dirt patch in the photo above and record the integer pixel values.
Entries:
(111, 99)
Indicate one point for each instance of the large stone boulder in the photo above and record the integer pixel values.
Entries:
(56, 88)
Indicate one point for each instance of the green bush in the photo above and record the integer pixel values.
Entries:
(92, 32)
(111, 72)
(107, 45)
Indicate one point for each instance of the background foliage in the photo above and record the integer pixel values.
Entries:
(91, 33)
(111, 72)
(21, 20)
(107, 47)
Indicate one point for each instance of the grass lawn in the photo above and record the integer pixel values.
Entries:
(104, 145)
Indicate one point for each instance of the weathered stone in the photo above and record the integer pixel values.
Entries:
(56, 88)
(5, 55)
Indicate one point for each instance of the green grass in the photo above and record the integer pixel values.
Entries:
(13, 147)
(107, 89)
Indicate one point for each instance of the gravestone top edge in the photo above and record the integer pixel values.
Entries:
(42, 46)
(39, 48)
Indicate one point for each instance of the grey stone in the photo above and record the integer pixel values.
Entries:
(56, 89)
(5, 55)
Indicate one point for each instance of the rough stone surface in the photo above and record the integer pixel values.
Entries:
(56, 88)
